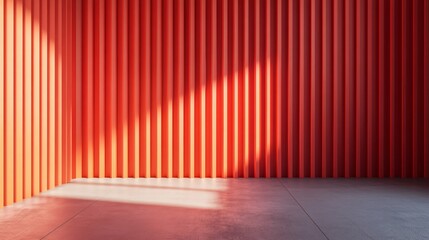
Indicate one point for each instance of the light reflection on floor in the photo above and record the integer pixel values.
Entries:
(223, 209)
(189, 193)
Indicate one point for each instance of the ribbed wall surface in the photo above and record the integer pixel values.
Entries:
(32, 152)
(194, 88)
(254, 88)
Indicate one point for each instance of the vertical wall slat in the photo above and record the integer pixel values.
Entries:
(133, 95)
(235, 78)
(293, 88)
(73, 85)
(122, 87)
(18, 101)
(88, 90)
(361, 76)
(99, 89)
(361, 86)
(418, 88)
(246, 88)
(372, 86)
(406, 90)
(77, 81)
(350, 91)
(68, 75)
(167, 89)
(44, 51)
(2, 103)
(316, 103)
(188, 152)
(27, 149)
(156, 87)
(228, 91)
(426, 88)
(414, 91)
(223, 88)
(58, 93)
(200, 86)
(336, 85)
(36, 98)
(267, 72)
(219, 83)
(304, 88)
(9, 103)
(212, 89)
(145, 89)
(278, 90)
(327, 89)
(257, 86)
(51, 94)
(383, 125)
(395, 73)
(111, 85)
(190, 78)
(178, 89)
(338, 88)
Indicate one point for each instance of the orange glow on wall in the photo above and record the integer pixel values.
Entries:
(32, 106)
(211, 88)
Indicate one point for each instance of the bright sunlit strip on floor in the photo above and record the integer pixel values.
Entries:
(190, 194)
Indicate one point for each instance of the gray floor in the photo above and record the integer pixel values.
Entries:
(223, 209)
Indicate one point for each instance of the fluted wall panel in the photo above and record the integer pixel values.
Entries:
(250, 88)
(32, 99)
(211, 88)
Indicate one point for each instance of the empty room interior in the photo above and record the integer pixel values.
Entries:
(214, 119)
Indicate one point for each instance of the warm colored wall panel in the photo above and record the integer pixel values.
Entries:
(44, 95)
(245, 79)
(178, 89)
(211, 88)
(201, 84)
(167, 89)
(9, 159)
(51, 101)
(280, 102)
(27, 128)
(2, 106)
(18, 99)
(88, 90)
(292, 86)
(36, 98)
(156, 90)
(110, 94)
(59, 99)
(145, 89)
(99, 89)
(316, 91)
(426, 89)
(258, 88)
(122, 87)
(31, 94)
(189, 94)
(133, 98)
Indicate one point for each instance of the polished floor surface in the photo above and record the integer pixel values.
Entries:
(223, 209)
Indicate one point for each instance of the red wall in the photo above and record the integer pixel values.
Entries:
(195, 88)
(33, 144)
(250, 88)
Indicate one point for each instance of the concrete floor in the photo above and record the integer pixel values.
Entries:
(223, 209)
